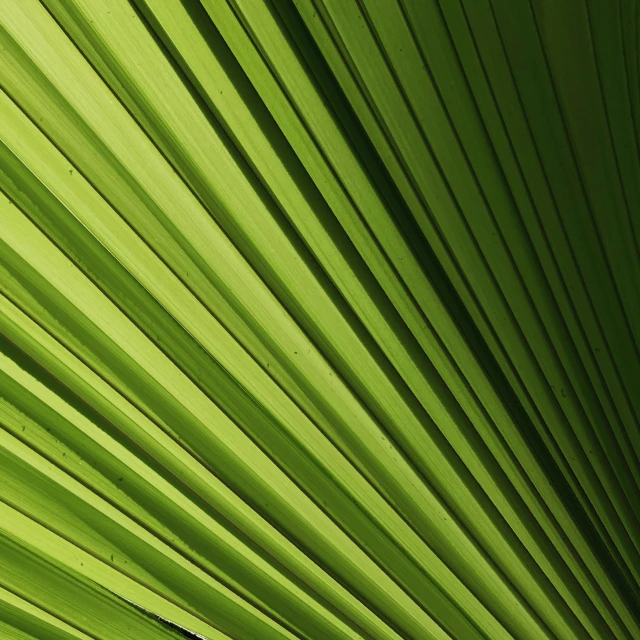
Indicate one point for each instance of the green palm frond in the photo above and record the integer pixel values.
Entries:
(319, 319)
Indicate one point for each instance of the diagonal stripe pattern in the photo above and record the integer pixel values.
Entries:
(319, 319)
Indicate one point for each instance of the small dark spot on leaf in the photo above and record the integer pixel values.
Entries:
(70, 172)
(23, 427)
(119, 479)
(112, 558)
(562, 393)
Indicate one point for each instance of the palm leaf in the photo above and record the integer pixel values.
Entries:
(320, 319)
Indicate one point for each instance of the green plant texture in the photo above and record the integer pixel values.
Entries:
(319, 319)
